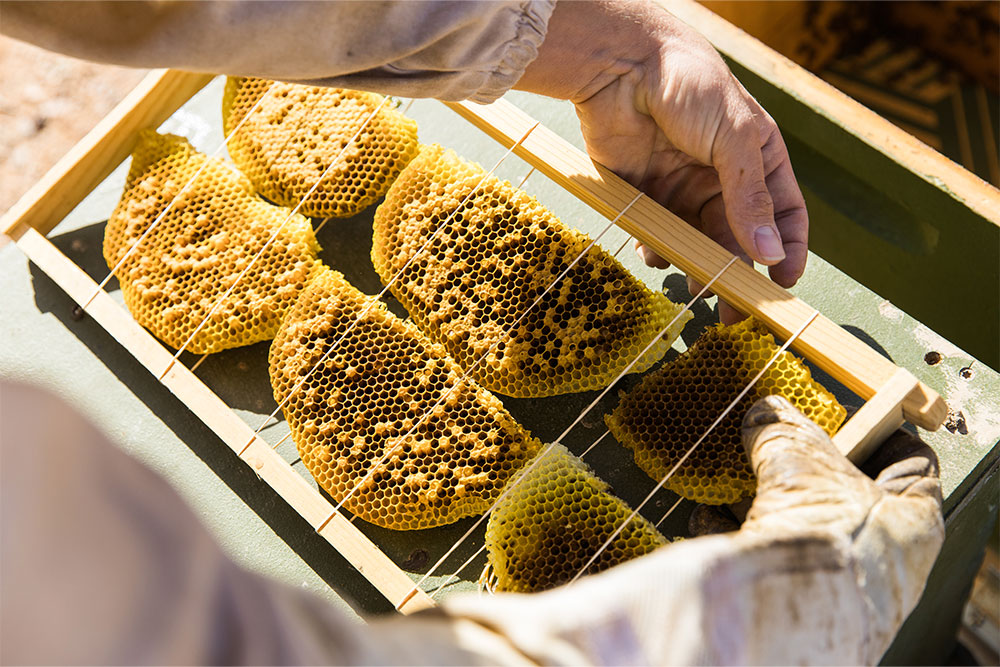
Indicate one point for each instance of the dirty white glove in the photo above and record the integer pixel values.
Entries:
(890, 530)
(825, 569)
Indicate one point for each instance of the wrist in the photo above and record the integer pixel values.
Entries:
(588, 45)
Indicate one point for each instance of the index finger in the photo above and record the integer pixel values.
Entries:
(790, 213)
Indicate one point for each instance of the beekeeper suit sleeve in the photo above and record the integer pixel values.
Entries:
(450, 50)
(103, 563)
(825, 569)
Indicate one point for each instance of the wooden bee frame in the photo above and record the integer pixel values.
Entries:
(892, 394)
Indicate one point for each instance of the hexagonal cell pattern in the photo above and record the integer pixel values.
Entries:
(665, 414)
(488, 265)
(361, 403)
(555, 517)
(291, 138)
(199, 248)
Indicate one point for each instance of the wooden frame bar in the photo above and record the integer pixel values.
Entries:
(155, 99)
(886, 209)
(389, 579)
(892, 394)
(857, 366)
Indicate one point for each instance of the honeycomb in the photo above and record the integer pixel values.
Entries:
(200, 247)
(665, 414)
(551, 523)
(292, 137)
(367, 395)
(489, 264)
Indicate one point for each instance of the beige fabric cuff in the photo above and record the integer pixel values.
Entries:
(518, 53)
(414, 48)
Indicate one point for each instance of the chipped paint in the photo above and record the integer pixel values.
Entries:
(889, 311)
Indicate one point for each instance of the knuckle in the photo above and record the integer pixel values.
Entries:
(757, 203)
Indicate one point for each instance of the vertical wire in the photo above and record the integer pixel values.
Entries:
(606, 433)
(670, 511)
(525, 179)
(547, 449)
(385, 289)
(170, 205)
(622, 247)
(691, 450)
(473, 366)
(198, 363)
(286, 437)
(277, 231)
(454, 575)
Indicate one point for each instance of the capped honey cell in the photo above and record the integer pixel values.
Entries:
(663, 417)
(381, 416)
(297, 132)
(473, 289)
(210, 230)
(553, 519)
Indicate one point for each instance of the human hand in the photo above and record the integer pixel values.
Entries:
(824, 570)
(658, 106)
(889, 530)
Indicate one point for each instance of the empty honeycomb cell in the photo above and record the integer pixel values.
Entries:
(495, 256)
(351, 417)
(665, 414)
(196, 252)
(298, 131)
(553, 520)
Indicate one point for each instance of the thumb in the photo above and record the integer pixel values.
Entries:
(905, 466)
(803, 482)
(737, 156)
(905, 529)
(891, 529)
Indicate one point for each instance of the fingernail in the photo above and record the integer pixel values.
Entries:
(768, 244)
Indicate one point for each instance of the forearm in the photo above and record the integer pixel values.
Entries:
(713, 600)
(589, 44)
(449, 50)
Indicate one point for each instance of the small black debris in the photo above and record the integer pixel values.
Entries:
(933, 358)
(417, 560)
(956, 423)
(967, 372)
(77, 313)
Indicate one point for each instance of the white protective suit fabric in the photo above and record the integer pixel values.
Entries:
(103, 564)
(451, 50)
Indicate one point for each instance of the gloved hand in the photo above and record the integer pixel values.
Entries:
(825, 568)
(659, 107)
(890, 530)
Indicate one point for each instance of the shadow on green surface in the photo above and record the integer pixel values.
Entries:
(240, 378)
(268, 505)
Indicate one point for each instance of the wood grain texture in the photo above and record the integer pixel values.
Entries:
(882, 414)
(850, 361)
(827, 101)
(364, 555)
(886, 209)
(857, 366)
(95, 156)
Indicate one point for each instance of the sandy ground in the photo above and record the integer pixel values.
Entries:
(48, 103)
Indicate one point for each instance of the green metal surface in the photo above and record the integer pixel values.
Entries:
(928, 635)
(902, 234)
(41, 341)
